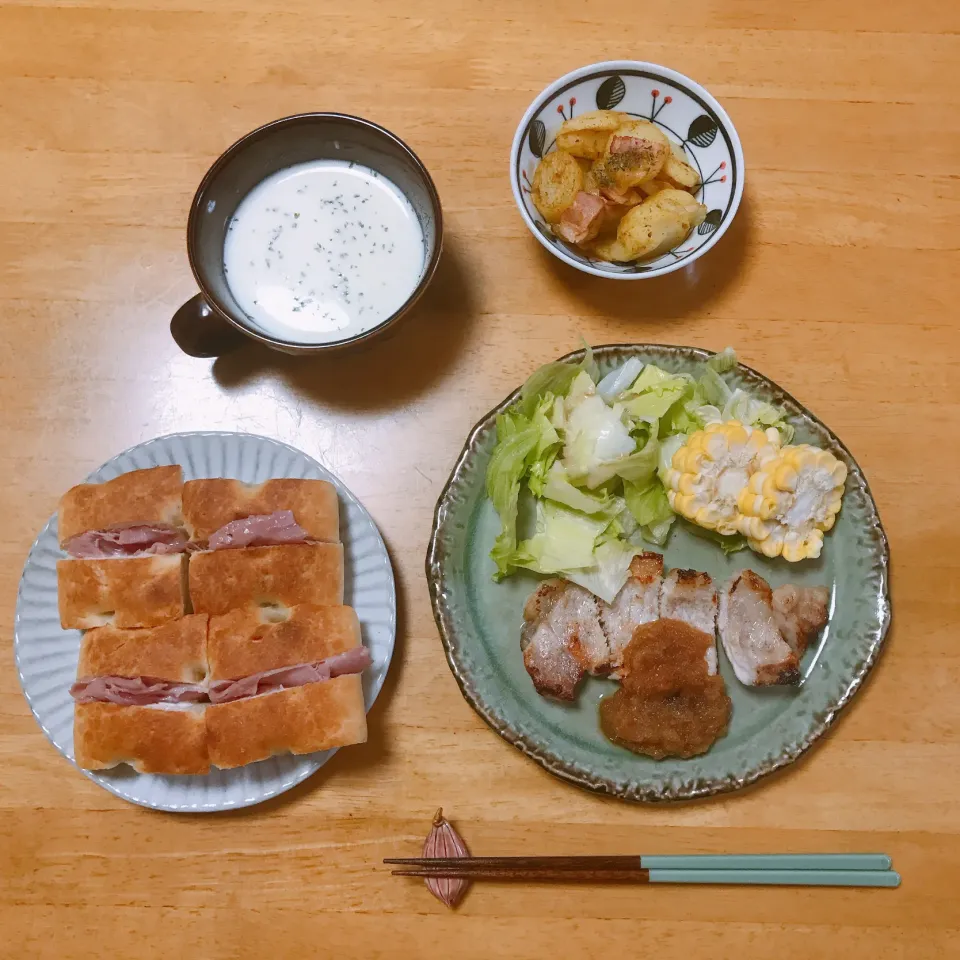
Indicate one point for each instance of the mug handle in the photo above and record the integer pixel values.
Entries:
(200, 332)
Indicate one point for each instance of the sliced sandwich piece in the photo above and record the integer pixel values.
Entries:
(136, 696)
(277, 576)
(561, 638)
(175, 653)
(227, 513)
(248, 641)
(800, 612)
(748, 631)
(150, 739)
(689, 596)
(288, 686)
(637, 602)
(136, 592)
(135, 514)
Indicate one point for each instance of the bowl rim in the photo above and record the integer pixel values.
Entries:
(268, 129)
(616, 66)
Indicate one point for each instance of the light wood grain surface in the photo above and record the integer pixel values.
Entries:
(838, 279)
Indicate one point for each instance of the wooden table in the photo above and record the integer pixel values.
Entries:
(838, 279)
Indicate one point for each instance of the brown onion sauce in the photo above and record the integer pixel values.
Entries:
(668, 705)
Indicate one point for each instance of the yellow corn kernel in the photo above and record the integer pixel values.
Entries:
(710, 472)
(791, 501)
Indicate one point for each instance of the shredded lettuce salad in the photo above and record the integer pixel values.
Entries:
(579, 464)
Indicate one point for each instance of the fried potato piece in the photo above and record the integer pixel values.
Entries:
(606, 120)
(678, 172)
(598, 181)
(651, 187)
(586, 143)
(659, 224)
(556, 182)
(635, 152)
(593, 177)
(687, 207)
(609, 249)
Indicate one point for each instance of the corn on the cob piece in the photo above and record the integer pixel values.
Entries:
(791, 501)
(710, 471)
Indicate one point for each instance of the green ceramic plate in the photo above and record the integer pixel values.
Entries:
(479, 624)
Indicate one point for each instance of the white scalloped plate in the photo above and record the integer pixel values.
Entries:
(47, 655)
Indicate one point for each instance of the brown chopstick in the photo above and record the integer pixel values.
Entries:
(607, 863)
(637, 875)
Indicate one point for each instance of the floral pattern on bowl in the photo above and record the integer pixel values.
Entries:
(679, 106)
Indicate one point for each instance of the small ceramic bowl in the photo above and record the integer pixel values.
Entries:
(686, 113)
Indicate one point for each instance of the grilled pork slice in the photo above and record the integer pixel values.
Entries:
(800, 612)
(748, 631)
(637, 602)
(561, 638)
(690, 596)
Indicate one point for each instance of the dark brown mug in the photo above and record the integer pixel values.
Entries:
(212, 323)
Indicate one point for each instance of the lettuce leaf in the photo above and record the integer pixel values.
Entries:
(609, 572)
(657, 533)
(525, 445)
(683, 416)
(728, 544)
(650, 508)
(647, 502)
(668, 448)
(619, 379)
(723, 361)
(580, 388)
(737, 404)
(636, 467)
(595, 436)
(650, 376)
(565, 540)
(559, 489)
(712, 388)
(654, 392)
(553, 378)
(588, 364)
(757, 413)
(556, 378)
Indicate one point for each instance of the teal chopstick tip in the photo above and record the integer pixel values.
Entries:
(769, 861)
(778, 877)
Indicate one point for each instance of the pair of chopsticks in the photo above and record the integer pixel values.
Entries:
(796, 869)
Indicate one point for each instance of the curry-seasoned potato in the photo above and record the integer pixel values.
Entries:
(650, 187)
(595, 177)
(635, 152)
(687, 208)
(583, 143)
(678, 172)
(598, 180)
(643, 129)
(609, 249)
(659, 224)
(556, 182)
(607, 120)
